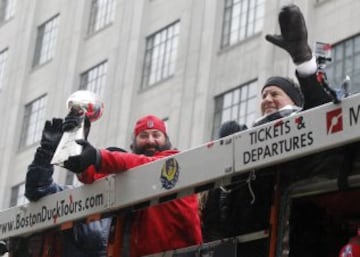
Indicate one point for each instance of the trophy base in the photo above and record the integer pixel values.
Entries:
(67, 146)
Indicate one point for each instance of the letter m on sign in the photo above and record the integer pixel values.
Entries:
(354, 115)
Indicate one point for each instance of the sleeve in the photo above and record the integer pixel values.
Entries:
(90, 175)
(39, 181)
(114, 162)
(313, 91)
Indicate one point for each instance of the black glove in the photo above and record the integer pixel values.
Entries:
(43, 156)
(51, 134)
(73, 120)
(293, 36)
(89, 156)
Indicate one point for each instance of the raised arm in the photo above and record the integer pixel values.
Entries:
(39, 181)
(294, 40)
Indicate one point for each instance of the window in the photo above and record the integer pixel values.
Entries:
(160, 55)
(7, 9)
(102, 13)
(18, 195)
(94, 79)
(34, 118)
(238, 104)
(3, 60)
(345, 61)
(242, 19)
(45, 41)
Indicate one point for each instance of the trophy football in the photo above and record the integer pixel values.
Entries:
(82, 103)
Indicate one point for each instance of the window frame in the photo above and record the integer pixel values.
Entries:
(95, 83)
(345, 62)
(243, 116)
(246, 27)
(47, 33)
(7, 10)
(33, 120)
(3, 64)
(161, 49)
(101, 15)
(15, 197)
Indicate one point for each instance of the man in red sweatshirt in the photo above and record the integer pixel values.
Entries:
(167, 226)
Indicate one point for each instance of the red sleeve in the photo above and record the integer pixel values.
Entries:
(90, 175)
(116, 162)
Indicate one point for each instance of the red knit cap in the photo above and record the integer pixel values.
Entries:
(149, 122)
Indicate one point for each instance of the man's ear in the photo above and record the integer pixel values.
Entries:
(132, 147)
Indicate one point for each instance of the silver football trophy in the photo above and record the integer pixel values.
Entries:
(84, 103)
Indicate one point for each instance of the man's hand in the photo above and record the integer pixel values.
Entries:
(294, 35)
(89, 156)
(51, 134)
(73, 120)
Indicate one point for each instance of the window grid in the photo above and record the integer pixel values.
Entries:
(18, 195)
(3, 61)
(345, 61)
(46, 40)
(33, 122)
(238, 104)
(102, 13)
(160, 55)
(242, 19)
(94, 79)
(7, 9)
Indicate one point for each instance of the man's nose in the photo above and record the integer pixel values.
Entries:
(151, 139)
(267, 98)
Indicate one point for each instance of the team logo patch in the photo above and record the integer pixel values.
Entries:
(334, 121)
(150, 124)
(169, 173)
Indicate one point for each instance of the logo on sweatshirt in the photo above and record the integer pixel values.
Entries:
(169, 173)
(334, 121)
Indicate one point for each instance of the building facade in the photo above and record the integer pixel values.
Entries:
(194, 63)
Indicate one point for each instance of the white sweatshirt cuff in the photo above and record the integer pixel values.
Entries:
(307, 68)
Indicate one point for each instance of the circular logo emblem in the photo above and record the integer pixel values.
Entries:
(169, 173)
(150, 124)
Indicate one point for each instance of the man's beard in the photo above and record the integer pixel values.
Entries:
(151, 149)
